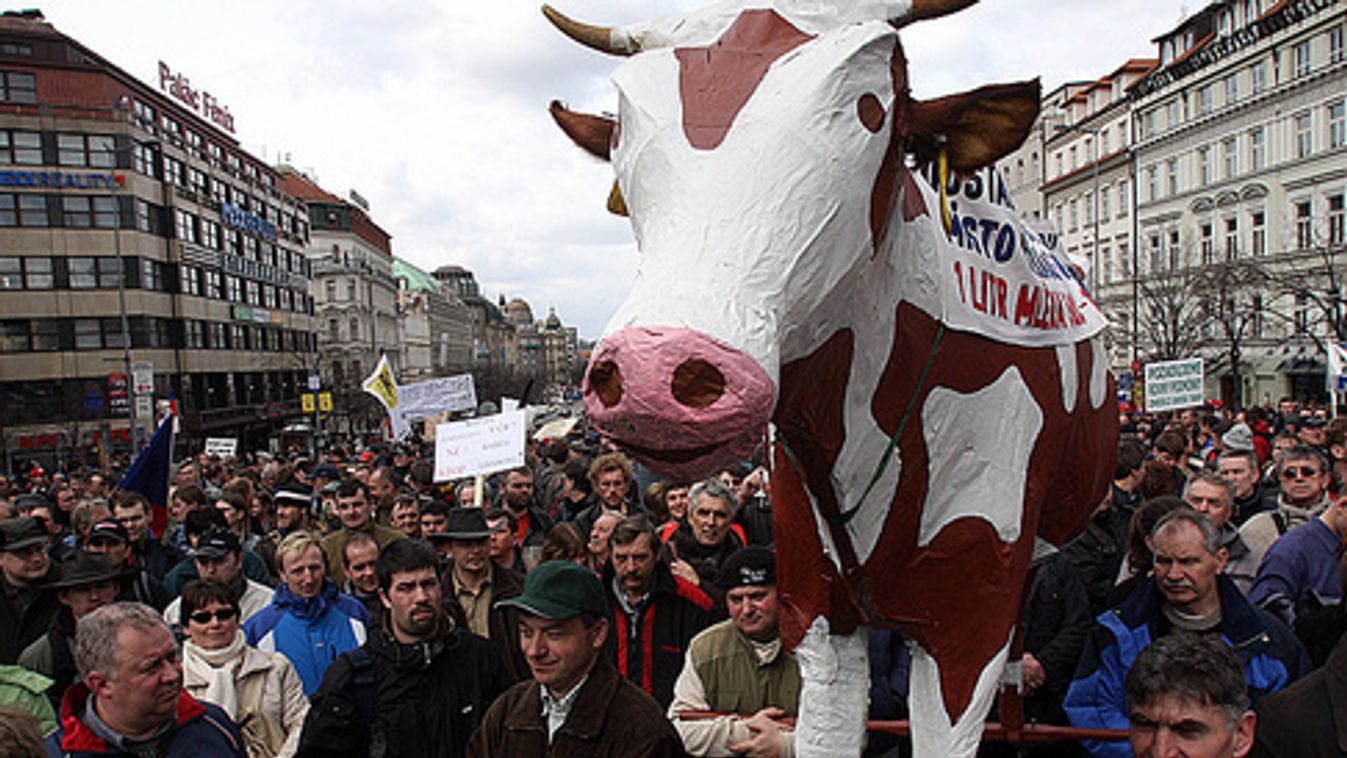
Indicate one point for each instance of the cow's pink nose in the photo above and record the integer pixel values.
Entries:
(697, 384)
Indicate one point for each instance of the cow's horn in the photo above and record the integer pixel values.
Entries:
(598, 37)
(924, 9)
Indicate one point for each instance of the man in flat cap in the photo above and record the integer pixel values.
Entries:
(738, 666)
(83, 584)
(575, 703)
(25, 607)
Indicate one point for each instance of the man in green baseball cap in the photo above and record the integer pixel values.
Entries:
(576, 702)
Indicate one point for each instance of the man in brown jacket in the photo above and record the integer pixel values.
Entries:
(575, 704)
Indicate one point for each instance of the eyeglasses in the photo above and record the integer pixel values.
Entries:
(1296, 472)
(204, 617)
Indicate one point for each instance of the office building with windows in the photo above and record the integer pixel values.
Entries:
(135, 230)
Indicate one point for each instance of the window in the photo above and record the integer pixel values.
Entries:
(20, 148)
(23, 210)
(1074, 216)
(1172, 114)
(1157, 260)
(1231, 90)
(77, 211)
(194, 334)
(1208, 246)
(1257, 149)
(233, 242)
(190, 278)
(234, 289)
(1172, 175)
(1104, 193)
(18, 87)
(1204, 100)
(107, 213)
(26, 273)
(1337, 124)
(1204, 165)
(350, 283)
(1106, 264)
(109, 273)
(210, 234)
(215, 154)
(1230, 157)
(331, 289)
(1304, 225)
(1336, 234)
(1301, 54)
(334, 330)
(1304, 135)
(197, 180)
(142, 159)
(1335, 52)
(1231, 239)
(1124, 199)
(93, 150)
(251, 293)
(1174, 250)
(83, 273)
(186, 226)
(1258, 237)
(144, 115)
(1147, 124)
(1152, 183)
(174, 172)
(1088, 202)
(1257, 78)
(152, 275)
(88, 334)
(212, 288)
(268, 296)
(1123, 261)
(355, 329)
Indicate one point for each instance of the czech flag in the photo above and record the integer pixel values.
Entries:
(149, 474)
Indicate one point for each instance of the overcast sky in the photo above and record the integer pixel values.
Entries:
(436, 110)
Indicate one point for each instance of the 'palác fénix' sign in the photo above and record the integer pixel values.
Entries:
(180, 87)
(62, 180)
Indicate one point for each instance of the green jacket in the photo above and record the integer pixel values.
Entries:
(734, 680)
(27, 691)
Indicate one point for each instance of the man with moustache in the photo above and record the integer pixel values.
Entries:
(129, 699)
(419, 686)
(1188, 592)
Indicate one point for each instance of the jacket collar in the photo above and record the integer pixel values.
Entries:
(587, 715)
(77, 736)
(1239, 621)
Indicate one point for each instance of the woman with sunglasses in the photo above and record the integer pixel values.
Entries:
(259, 690)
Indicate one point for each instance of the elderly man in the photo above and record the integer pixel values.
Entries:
(1303, 565)
(309, 621)
(478, 585)
(702, 544)
(1304, 476)
(1214, 497)
(129, 700)
(82, 584)
(26, 609)
(219, 556)
(1186, 696)
(575, 703)
(418, 687)
(1240, 467)
(652, 614)
(739, 666)
(1188, 592)
(356, 511)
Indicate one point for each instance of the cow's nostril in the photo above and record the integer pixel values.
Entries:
(697, 384)
(606, 381)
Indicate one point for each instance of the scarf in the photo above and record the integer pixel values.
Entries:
(217, 669)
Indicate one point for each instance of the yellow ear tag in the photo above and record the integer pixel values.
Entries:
(616, 204)
(943, 163)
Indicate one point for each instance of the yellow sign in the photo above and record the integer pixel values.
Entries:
(306, 402)
(383, 385)
(325, 402)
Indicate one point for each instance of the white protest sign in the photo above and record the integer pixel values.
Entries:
(479, 446)
(221, 446)
(443, 395)
(1173, 384)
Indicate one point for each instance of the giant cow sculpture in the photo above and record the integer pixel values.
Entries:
(937, 397)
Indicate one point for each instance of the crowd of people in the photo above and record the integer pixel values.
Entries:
(579, 605)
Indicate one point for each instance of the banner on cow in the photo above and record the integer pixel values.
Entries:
(479, 446)
(998, 275)
(1171, 385)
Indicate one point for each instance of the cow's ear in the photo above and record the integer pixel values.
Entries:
(976, 128)
(593, 133)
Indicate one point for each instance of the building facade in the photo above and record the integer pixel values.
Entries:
(435, 326)
(134, 229)
(1241, 166)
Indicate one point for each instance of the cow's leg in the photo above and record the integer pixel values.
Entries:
(933, 736)
(834, 693)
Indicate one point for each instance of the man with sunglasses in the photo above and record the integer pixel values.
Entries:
(1302, 565)
(219, 556)
(1303, 474)
(26, 608)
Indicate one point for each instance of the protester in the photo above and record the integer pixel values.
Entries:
(419, 686)
(308, 621)
(504, 545)
(652, 615)
(611, 476)
(1187, 593)
(575, 704)
(362, 583)
(20, 734)
(132, 511)
(1307, 718)
(82, 585)
(517, 497)
(219, 557)
(1240, 467)
(129, 699)
(110, 539)
(26, 609)
(1186, 695)
(406, 516)
(478, 586)
(1303, 474)
(356, 511)
(199, 523)
(739, 666)
(702, 545)
(1214, 497)
(260, 691)
(1302, 565)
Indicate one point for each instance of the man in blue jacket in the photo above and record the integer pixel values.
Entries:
(129, 699)
(1188, 592)
(309, 621)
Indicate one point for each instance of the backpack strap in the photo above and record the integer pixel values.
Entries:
(1279, 519)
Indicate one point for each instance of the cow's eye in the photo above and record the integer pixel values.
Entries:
(871, 112)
